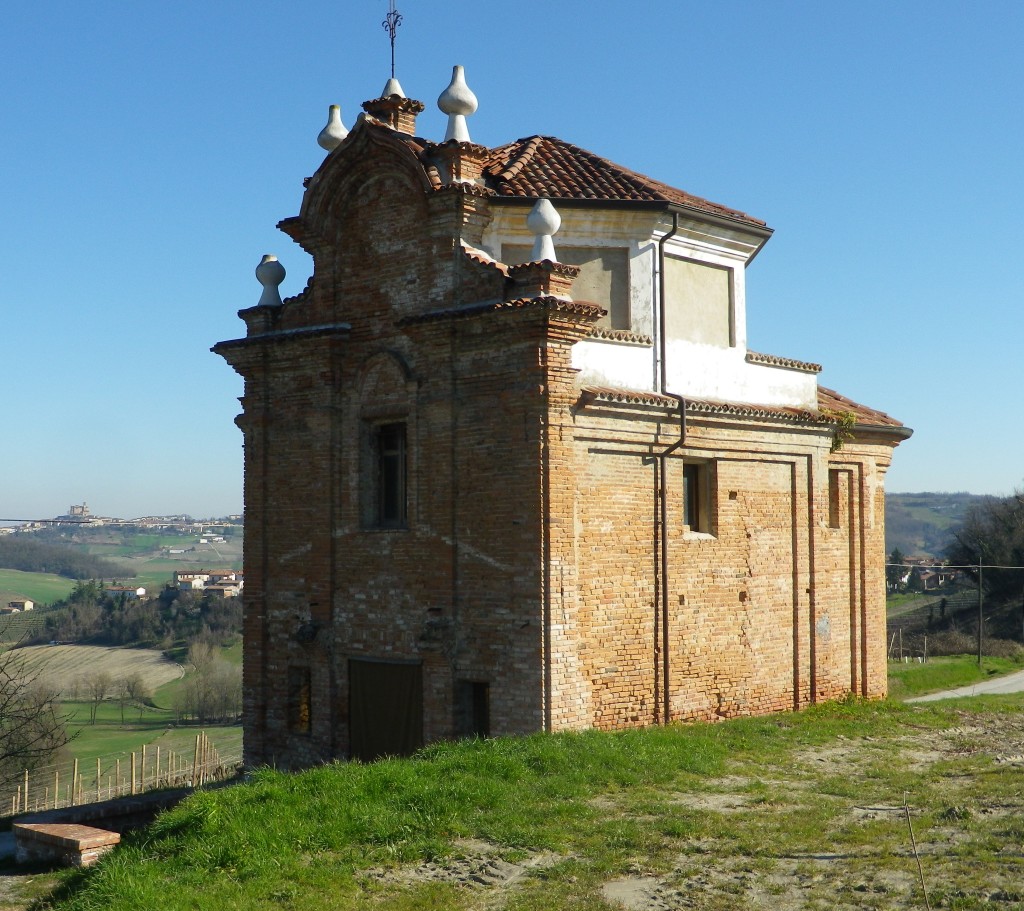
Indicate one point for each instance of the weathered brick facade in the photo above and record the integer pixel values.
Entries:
(456, 523)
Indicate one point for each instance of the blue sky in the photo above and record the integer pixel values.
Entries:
(148, 151)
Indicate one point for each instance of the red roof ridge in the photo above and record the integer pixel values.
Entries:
(526, 153)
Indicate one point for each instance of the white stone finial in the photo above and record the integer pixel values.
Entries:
(332, 135)
(270, 273)
(543, 221)
(392, 87)
(457, 101)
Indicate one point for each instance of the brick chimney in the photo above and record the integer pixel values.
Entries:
(393, 109)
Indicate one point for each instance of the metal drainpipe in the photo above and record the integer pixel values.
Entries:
(662, 474)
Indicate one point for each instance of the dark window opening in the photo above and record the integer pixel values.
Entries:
(472, 708)
(694, 495)
(391, 475)
(300, 700)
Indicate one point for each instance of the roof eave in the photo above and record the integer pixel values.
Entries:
(751, 226)
(574, 202)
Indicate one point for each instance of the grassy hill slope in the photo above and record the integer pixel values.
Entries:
(43, 588)
(781, 813)
(920, 524)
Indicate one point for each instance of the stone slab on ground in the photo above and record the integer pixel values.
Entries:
(70, 844)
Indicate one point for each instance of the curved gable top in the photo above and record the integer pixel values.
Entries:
(333, 178)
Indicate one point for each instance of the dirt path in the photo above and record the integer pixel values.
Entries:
(1009, 683)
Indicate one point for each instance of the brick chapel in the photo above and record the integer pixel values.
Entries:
(511, 466)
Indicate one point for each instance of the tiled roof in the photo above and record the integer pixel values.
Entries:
(542, 166)
(829, 402)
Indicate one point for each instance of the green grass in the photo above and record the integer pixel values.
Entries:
(43, 588)
(901, 599)
(944, 673)
(708, 808)
(109, 736)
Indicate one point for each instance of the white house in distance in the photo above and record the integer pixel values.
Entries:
(17, 607)
(227, 583)
(125, 590)
(189, 580)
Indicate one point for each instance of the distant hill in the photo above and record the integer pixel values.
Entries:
(920, 524)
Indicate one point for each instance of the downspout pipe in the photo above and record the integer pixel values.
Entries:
(662, 342)
(661, 534)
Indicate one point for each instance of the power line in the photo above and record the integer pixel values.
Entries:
(938, 567)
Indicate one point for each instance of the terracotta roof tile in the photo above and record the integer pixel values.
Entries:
(481, 258)
(828, 401)
(773, 360)
(545, 166)
(545, 302)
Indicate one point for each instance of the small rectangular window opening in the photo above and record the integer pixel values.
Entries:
(299, 700)
(391, 475)
(472, 708)
(694, 496)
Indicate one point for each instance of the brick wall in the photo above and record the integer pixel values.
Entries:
(529, 560)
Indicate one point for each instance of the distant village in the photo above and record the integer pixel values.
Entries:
(80, 516)
(921, 574)
(226, 583)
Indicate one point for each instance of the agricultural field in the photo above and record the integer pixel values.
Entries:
(43, 588)
(18, 628)
(109, 733)
(67, 666)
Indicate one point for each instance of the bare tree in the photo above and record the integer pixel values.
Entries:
(98, 685)
(201, 654)
(122, 693)
(214, 691)
(138, 691)
(31, 725)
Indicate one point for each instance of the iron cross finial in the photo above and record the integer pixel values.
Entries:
(391, 23)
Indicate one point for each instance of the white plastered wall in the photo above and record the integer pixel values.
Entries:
(693, 369)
